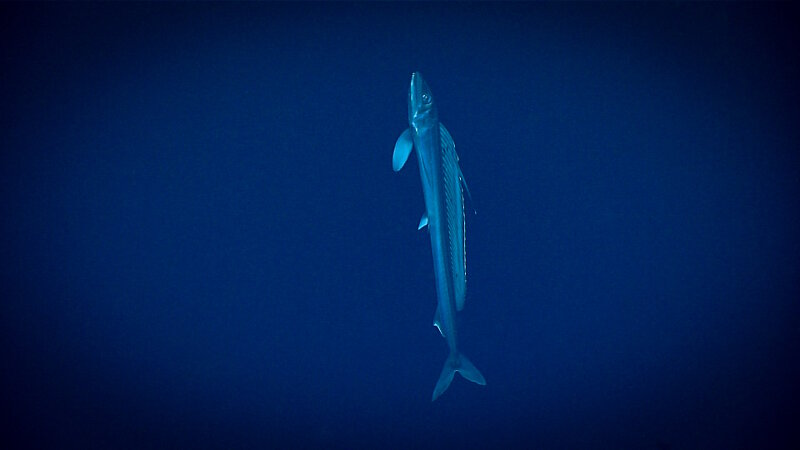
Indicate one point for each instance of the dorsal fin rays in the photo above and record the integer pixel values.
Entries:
(466, 188)
(446, 135)
(456, 231)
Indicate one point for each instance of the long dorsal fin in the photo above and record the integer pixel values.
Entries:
(456, 232)
(466, 188)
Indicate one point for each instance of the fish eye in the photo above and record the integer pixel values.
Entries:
(426, 98)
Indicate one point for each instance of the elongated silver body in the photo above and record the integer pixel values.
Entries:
(442, 184)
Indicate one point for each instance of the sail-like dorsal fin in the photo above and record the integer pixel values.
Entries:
(466, 188)
(448, 138)
(455, 216)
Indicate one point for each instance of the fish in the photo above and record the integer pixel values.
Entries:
(443, 187)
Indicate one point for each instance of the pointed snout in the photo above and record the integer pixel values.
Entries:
(416, 80)
(417, 87)
(420, 101)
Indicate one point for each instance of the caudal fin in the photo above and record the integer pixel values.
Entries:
(456, 363)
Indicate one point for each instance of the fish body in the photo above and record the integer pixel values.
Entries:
(442, 183)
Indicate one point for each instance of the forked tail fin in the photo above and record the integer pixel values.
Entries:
(457, 363)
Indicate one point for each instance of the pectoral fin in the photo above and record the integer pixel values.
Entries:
(402, 148)
(423, 221)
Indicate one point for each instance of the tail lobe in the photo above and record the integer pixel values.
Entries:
(457, 363)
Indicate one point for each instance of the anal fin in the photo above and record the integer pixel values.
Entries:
(437, 321)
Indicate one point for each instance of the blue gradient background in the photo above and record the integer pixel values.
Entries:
(204, 245)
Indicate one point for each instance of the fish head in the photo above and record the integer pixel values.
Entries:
(421, 109)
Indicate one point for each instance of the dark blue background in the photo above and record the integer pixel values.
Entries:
(204, 245)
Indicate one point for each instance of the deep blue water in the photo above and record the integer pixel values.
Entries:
(204, 244)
